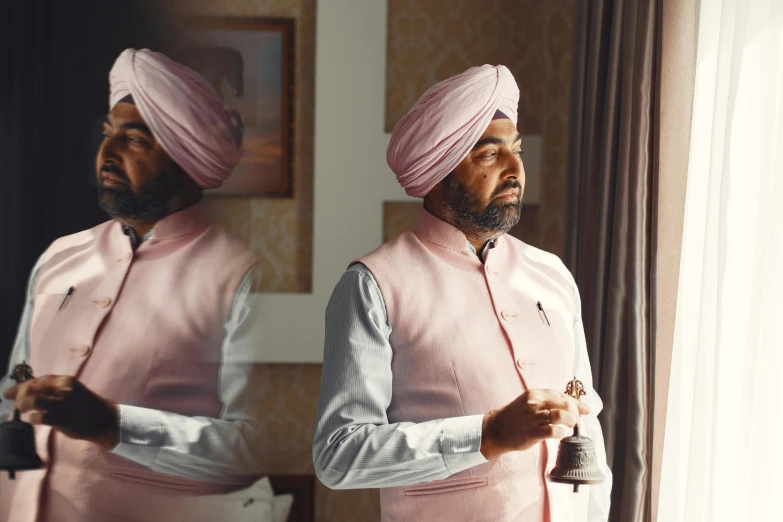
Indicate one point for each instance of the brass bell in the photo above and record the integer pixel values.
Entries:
(17, 447)
(576, 461)
(17, 439)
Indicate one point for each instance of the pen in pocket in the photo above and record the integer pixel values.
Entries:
(542, 313)
(69, 292)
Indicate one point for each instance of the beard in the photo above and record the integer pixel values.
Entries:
(468, 214)
(151, 203)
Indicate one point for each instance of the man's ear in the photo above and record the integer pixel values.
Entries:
(434, 198)
(437, 190)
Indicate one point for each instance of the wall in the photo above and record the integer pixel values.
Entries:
(287, 399)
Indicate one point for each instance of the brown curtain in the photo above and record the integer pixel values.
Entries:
(679, 39)
(611, 226)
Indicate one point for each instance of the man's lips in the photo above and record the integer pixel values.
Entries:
(509, 194)
(107, 178)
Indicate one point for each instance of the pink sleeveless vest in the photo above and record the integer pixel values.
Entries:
(142, 328)
(467, 339)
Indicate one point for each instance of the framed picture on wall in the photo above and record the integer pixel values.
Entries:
(250, 61)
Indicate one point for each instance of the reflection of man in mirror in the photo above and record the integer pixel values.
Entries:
(447, 348)
(137, 328)
(217, 64)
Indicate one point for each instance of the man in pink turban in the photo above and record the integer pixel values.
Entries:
(448, 349)
(136, 330)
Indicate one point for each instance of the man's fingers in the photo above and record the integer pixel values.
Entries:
(556, 416)
(563, 418)
(36, 402)
(48, 385)
(561, 403)
(551, 431)
(551, 399)
(42, 417)
(10, 393)
(43, 393)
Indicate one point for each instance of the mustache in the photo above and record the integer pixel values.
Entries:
(507, 186)
(116, 170)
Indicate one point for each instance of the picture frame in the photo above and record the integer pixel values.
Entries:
(251, 62)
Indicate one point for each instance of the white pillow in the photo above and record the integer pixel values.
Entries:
(254, 504)
(281, 507)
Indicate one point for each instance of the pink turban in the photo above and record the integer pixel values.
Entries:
(446, 123)
(185, 114)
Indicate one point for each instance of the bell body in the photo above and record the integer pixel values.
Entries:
(576, 462)
(17, 446)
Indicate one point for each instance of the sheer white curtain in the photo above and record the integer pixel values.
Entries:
(722, 454)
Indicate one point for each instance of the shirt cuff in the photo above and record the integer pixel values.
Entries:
(142, 433)
(461, 443)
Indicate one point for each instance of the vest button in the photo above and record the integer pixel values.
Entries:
(505, 314)
(82, 351)
(105, 302)
(522, 365)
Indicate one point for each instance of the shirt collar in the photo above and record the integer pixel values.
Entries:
(182, 223)
(444, 234)
(134, 238)
(490, 245)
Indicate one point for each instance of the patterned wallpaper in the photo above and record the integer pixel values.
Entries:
(287, 398)
(280, 231)
(399, 216)
(434, 39)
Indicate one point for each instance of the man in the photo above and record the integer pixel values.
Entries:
(448, 349)
(135, 329)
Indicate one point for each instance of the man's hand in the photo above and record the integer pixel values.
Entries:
(67, 405)
(532, 417)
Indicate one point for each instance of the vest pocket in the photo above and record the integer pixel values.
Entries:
(446, 486)
(560, 336)
(49, 300)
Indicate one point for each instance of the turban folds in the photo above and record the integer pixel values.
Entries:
(446, 123)
(185, 114)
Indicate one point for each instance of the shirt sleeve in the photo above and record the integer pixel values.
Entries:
(355, 446)
(20, 351)
(600, 494)
(226, 450)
